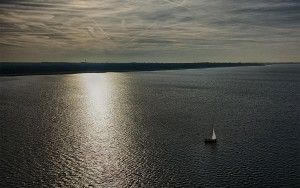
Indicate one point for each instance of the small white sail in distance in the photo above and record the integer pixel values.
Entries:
(213, 137)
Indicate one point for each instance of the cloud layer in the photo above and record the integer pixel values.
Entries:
(149, 31)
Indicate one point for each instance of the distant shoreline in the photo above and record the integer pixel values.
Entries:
(23, 69)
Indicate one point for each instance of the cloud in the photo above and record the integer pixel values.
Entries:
(133, 30)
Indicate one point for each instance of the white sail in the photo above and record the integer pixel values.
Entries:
(213, 135)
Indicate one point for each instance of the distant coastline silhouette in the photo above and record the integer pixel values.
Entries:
(7, 69)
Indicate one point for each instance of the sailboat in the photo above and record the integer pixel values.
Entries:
(213, 138)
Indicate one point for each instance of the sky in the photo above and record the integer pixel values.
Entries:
(150, 30)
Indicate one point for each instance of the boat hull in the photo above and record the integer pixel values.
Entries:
(210, 141)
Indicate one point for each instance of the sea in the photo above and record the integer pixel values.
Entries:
(147, 129)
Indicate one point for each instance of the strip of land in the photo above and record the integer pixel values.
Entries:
(14, 69)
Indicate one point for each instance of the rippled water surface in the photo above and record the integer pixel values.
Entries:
(147, 128)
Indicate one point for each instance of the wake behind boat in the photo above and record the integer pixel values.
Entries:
(213, 138)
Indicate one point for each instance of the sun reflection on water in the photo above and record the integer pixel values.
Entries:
(103, 135)
(98, 93)
(105, 139)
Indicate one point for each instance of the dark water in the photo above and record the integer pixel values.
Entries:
(147, 128)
